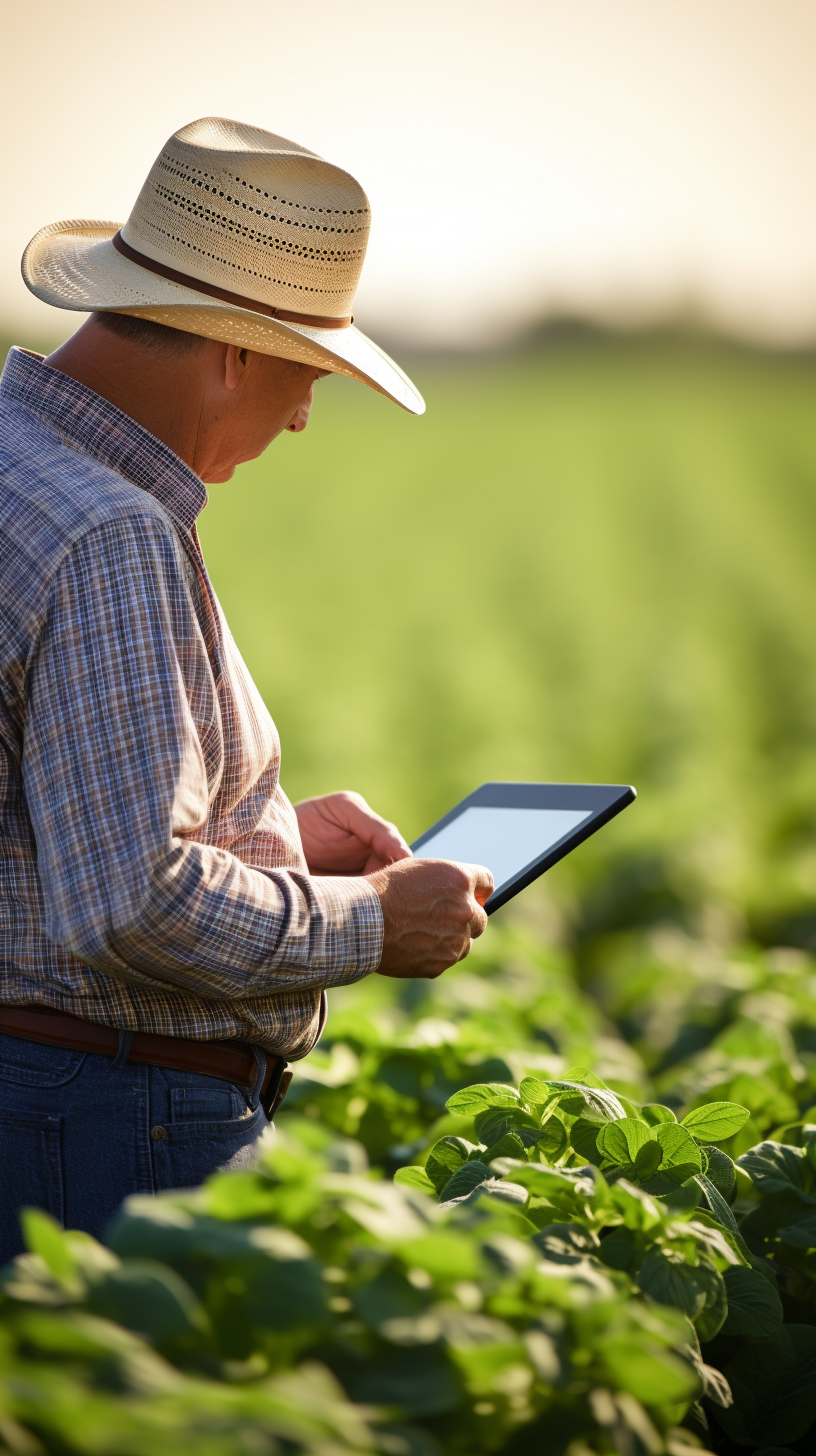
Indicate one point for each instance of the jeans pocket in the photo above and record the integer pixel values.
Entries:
(220, 1103)
(33, 1064)
(185, 1153)
(31, 1157)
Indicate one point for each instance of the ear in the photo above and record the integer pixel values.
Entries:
(236, 362)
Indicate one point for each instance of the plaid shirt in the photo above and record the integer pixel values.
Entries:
(151, 870)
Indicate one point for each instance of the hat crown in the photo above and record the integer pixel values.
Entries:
(245, 210)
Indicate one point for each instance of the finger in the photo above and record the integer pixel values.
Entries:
(478, 921)
(371, 829)
(437, 971)
(387, 841)
(481, 881)
(465, 951)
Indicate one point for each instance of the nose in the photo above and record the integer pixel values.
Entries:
(300, 418)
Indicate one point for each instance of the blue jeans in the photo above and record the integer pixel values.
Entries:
(80, 1131)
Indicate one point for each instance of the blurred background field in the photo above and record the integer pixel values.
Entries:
(592, 559)
(594, 246)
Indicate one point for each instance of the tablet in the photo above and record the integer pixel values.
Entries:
(520, 830)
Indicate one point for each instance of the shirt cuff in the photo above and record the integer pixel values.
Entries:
(353, 927)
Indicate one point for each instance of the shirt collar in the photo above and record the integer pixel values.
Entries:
(93, 425)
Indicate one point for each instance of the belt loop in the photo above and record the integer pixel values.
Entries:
(120, 1060)
(260, 1076)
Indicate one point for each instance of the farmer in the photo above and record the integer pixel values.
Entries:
(169, 922)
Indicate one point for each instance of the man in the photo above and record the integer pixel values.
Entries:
(169, 922)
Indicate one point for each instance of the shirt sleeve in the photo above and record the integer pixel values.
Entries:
(115, 782)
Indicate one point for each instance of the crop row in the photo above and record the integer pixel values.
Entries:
(601, 1235)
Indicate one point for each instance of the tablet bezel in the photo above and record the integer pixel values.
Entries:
(603, 801)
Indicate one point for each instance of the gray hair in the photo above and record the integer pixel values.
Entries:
(159, 338)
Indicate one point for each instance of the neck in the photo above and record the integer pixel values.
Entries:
(164, 395)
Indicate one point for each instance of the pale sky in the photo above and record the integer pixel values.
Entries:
(615, 159)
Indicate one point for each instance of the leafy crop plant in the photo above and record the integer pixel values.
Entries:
(602, 1273)
(309, 1307)
(610, 1185)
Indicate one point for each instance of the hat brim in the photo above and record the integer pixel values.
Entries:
(74, 265)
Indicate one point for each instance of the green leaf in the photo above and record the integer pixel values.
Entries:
(648, 1160)
(637, 1135)
(611, 1143)
(672, 1281)
(75, 1333)
(678, 1146)
(534, 1092)
(773, 1212)
(240, 1194)
(584, 1138)
(482, 1095)
(667, 1181)
(597, 1100)
(655, 1114)
(284, 1285)
(566, 1243)
(774, 1387)
(581, 1074)
(775, 1168)
(719, 1207)
(754, 1307)
(715, 1386)
(711, 1318)
(697, 1290)
(464, 1180)
(715, 1121)
(44, 1236)
(414, 1177)
(638, 1210)
(510, 1146)
(389, 1296)
(501, 1190)
(421, 1380)
(618, 1249)
(680, 1161)
(492, 1123)
(447, 1255)
(446, 1155)
(722, 1173)
(149, 1299)
(621, 1141)
(801, 1235)
(552, 1139)
(545, 1181)
(653, 1376)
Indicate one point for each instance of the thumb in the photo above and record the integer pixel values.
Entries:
(481, 883)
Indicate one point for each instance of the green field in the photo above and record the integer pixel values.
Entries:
(593, 560)
(562, 1200)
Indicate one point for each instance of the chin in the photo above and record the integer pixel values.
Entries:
(219, 476)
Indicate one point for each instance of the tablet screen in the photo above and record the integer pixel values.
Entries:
(505, 840)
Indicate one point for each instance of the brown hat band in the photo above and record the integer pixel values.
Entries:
(286, 315)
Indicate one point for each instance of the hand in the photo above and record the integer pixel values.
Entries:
(432, 910)
(342, 836)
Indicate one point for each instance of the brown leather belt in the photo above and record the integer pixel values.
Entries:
(231, 1061)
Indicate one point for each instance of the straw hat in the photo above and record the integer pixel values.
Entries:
(237, 235)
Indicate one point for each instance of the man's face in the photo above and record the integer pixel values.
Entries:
(249, 400)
